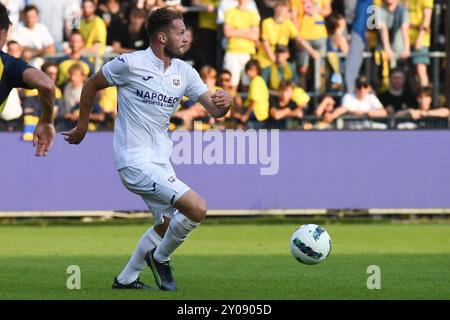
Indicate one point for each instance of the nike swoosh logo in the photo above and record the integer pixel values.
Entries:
(147, 78)
(120, 59)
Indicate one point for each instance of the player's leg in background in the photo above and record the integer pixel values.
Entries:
(192, 210)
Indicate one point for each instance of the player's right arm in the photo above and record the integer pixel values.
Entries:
(94, 84)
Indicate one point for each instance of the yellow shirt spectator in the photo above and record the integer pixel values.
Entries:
(416, 16)
(259, 93)
(94, 32)
(63, 70)
(275, 33)
(241, 19)
(311, 23)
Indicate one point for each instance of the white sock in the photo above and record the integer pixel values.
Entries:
(179, 228)
(137, 263)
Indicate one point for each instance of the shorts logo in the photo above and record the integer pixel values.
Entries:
(176, 81)
(171, 179)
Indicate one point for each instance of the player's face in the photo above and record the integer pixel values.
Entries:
(176, 39)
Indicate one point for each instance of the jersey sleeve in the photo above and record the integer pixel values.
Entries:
(16, 70)
(195, 87)
(116, 71)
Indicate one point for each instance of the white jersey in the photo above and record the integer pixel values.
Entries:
(147, 98)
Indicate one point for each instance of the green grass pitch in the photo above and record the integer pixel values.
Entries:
(229, 261)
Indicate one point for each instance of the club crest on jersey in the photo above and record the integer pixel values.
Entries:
(176, 81)
(171, 179)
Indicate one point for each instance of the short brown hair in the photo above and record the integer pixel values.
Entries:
(161, 19)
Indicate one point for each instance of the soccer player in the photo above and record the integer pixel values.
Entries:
(15, 73)
(150, 85)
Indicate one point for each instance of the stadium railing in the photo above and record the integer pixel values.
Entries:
(368, 65)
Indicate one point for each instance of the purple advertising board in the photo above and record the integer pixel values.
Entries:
(289, 170)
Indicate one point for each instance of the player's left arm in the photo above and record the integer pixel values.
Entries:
(217, 104)
(44, 133)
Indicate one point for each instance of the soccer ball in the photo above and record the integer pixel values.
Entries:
(310, 244)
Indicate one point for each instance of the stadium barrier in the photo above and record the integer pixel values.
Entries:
(297, 172)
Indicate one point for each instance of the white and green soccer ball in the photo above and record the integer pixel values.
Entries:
(310, 244)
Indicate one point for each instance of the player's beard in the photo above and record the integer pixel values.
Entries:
(171, 52)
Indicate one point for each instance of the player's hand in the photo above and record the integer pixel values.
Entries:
(43, 138)
(222, 99)
(74, 136)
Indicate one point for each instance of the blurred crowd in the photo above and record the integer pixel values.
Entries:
(283, 61)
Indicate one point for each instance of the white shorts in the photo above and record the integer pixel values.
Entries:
(235, 63)
(158, 186)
